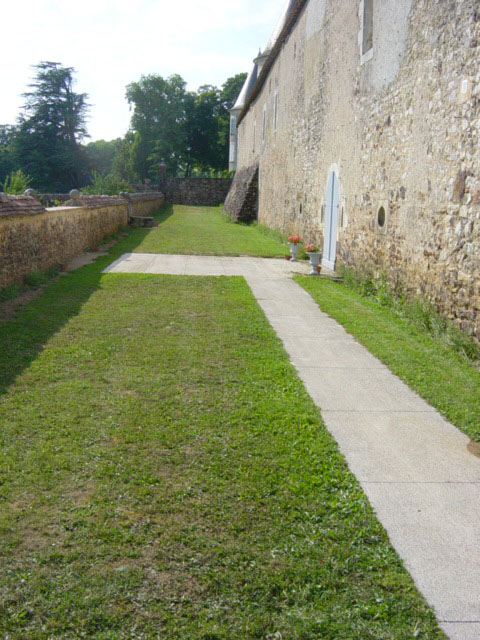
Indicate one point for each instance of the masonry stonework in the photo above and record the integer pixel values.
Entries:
(399, 126)
(208, 192)
(34, 239)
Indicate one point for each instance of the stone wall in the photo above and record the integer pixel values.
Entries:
(242, 199)
(33, 238)
(400, 127)
(196, 191)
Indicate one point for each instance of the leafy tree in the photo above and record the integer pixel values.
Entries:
(203, 129)
(7, 160)
(159, 122)
(185, 130)
(52, 124)
(124, 159)
(16, 182)
(101, 154)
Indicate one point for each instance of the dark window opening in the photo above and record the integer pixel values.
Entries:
(367, 40)
(381, 217)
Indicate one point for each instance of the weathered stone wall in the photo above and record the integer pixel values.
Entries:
(33, 238)
(401, 129)
(196, 191)
(242, 199)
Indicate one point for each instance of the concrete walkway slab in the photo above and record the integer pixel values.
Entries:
(413, 465)
(429, 449)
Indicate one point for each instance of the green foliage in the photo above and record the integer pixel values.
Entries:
(159, 116)
(7, 160)
(101, 155)
(46, 142)
(9, 293)
(108, 185)
(36, 279)
(16, 182)
(186, 131)
(419, 311)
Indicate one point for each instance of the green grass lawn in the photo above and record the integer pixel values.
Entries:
(164, 474)
(207, 231)
(446, 380)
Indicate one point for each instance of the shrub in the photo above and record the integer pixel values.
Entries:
(16, 182)
(106, 185)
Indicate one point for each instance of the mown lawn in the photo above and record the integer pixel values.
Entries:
(165, 475)
(438, 373)
(207, 231)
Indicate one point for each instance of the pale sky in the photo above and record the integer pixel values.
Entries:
(112, 43)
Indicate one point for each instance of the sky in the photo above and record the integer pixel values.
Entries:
(112, 43)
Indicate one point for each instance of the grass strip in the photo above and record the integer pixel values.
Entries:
(208, 231)
(435, 370)
(164, 474)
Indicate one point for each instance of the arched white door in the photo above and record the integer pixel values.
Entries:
(330, 226)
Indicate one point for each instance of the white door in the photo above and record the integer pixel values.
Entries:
(330, 226)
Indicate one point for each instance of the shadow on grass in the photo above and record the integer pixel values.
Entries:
(164, 212)
(23, 337)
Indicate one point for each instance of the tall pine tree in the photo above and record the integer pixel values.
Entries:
(50, 128)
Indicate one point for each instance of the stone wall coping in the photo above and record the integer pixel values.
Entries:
(23, 205)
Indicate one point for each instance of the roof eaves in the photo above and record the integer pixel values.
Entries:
(285, 32)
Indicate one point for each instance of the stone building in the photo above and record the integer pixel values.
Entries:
(360, 124)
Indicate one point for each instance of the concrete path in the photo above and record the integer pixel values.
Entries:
(413, 465)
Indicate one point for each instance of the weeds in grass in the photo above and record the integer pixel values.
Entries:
(9, 293)
(35, 279)
(419, 311)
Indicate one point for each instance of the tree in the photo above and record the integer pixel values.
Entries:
(52, 124)
(101, 154)
(187, 131)
(7, 160)
(203, 129)
(159, 122)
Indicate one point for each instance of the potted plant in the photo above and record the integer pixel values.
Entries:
(294, 240)
(315, 257)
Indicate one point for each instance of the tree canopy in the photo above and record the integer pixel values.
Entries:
(53, 122)
(187, 131)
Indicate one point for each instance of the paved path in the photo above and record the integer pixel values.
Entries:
(413, 465)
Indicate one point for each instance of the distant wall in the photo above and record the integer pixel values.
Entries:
(34, 239)
(196, 191)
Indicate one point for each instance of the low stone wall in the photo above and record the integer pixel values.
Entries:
(33, 238)
(207, 192)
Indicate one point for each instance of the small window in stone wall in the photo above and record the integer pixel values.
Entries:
(365, 37)
(367, 27)
(342, 214)
(381, 217)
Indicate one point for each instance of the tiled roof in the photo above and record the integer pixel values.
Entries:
(19, 205)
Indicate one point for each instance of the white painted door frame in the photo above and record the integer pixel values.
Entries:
(331, 218)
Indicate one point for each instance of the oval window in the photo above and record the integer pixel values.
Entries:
(381, 217)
